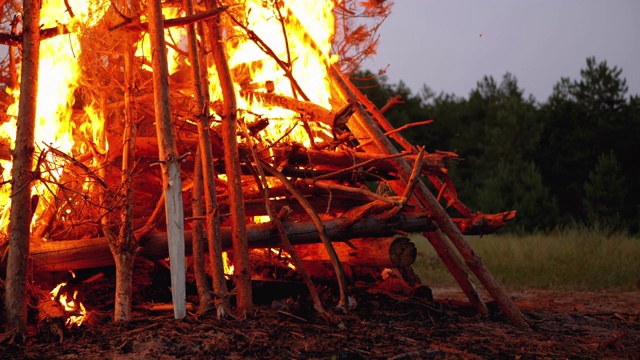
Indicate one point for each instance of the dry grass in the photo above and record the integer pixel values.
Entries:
(574, 259)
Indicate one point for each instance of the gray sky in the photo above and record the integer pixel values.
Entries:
(438, 42)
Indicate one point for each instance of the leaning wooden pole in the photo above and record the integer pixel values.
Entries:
(445, 250)
(242, 273)
(440, 216)
(169, 159)
(447, 253)
(22, 174)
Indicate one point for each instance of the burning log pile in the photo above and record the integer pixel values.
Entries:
(313, 162)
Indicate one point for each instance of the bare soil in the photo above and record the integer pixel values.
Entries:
(564, 324)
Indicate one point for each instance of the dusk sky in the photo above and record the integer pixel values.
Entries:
(438, 42)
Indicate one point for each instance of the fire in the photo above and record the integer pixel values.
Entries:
(305, 45)
(226, 263)
(283, 255)
(309, 29)
(58, 78)
(70, 304)
(176, 37)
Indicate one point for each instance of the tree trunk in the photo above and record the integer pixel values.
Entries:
(198, 239)
(124, 285)
(169, 159)
(242, 273)
(22, 174)
(123, 247)
(205, 163)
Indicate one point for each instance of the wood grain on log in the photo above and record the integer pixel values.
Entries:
(388, 252)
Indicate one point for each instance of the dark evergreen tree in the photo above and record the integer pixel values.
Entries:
(513, 149)
(583, 119)
(518, 185)
(605, 192)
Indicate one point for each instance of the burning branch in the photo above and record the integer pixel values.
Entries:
(306, 108)
(342, 282)
(394, 100)
(275, 219)
(267, 50)
(135, 24)
(15, 39)
(357, 25)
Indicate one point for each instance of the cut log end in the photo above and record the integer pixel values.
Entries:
(402, 252)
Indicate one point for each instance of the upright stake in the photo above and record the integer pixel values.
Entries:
(242, 274)
(205, 163)
(123, 247)
(427, 199)
(169, 159)
(22, 174)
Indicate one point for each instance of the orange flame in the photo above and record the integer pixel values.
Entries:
(308, 46)
(227, 265)
(70, 304)
(57, 80)
(176, 37)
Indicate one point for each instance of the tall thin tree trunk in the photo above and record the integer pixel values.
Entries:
(169, 159)
(22, 174)
(205, 164)
(197, 239)
(123, 247)
(242, 273)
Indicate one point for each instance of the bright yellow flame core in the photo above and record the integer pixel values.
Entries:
(308, 48)
(176, 36)
(70, 304)
(57, 80)
(227, 265)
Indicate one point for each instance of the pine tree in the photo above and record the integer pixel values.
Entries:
(605, 192)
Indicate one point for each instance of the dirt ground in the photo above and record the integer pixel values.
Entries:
(564, 325)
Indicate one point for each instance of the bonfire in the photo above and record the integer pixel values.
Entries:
(238, 126)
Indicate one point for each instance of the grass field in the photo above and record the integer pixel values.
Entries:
(575, 259)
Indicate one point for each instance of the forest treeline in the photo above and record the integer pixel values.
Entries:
(572, 159)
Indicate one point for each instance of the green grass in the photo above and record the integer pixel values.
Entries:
(575, 259)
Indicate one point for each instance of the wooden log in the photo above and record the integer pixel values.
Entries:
(314, 112)
(93, 253)
(387, 252)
